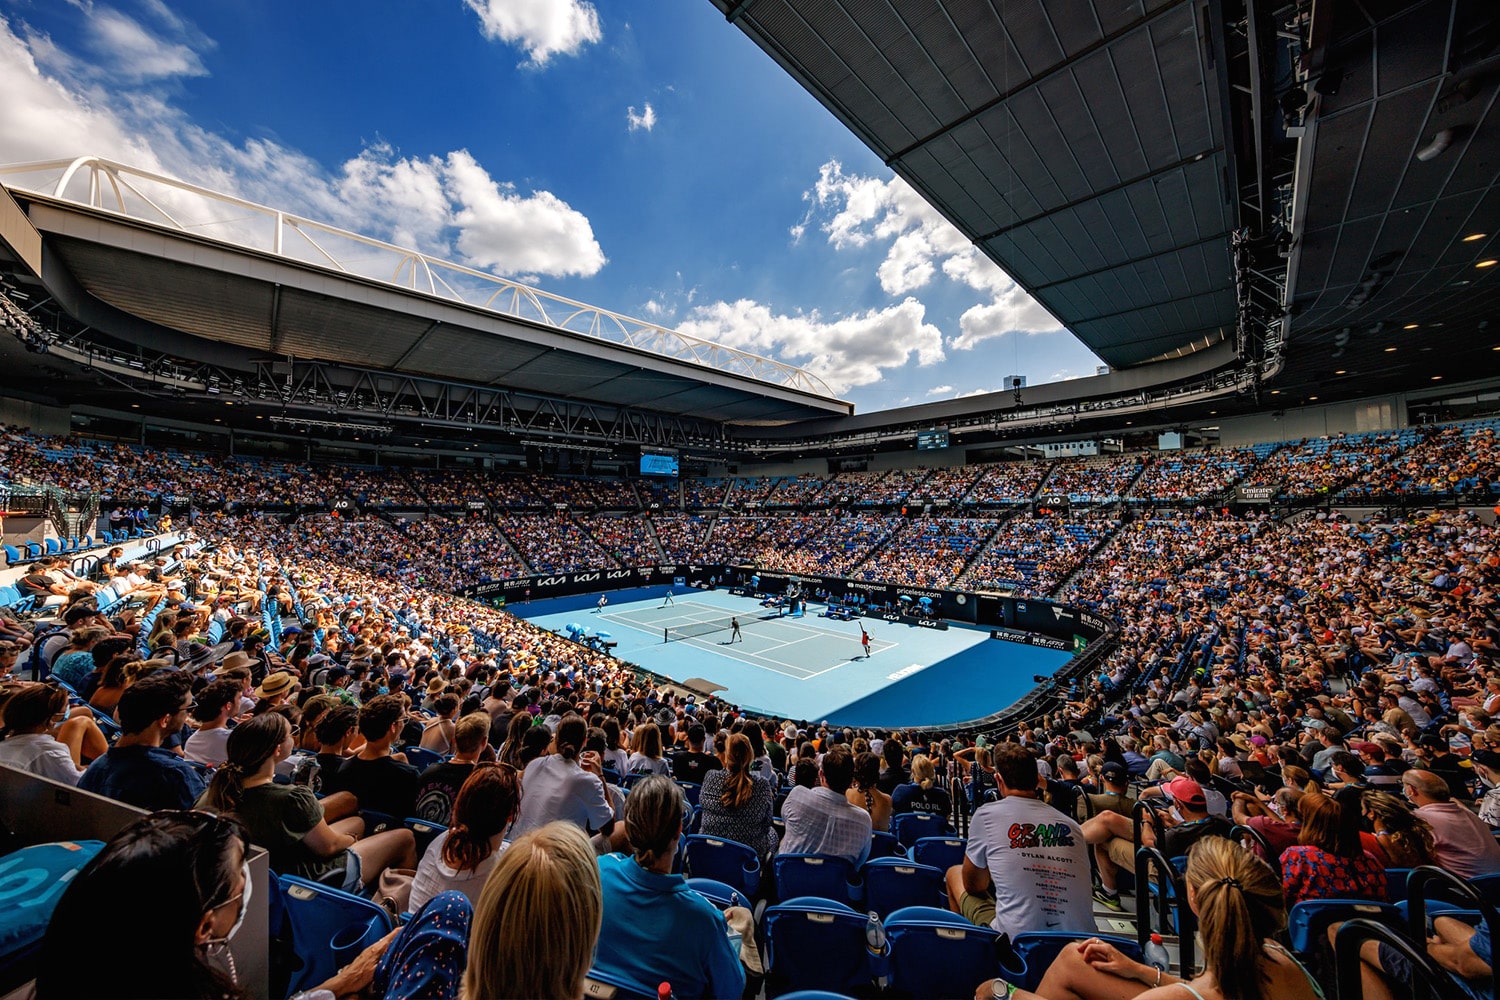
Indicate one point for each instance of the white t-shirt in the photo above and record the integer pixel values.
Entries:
(1038, 863)
(208, 746)
(434, 876)
(38, 753)
(554, 788)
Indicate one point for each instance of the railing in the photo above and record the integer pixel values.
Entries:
(188, 208)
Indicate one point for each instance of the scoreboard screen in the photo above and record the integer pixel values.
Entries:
(931, 440)
(658, 465)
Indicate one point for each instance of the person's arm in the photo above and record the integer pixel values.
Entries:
(976, 879)
(1458, 958)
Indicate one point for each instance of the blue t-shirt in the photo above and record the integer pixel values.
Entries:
(73, 668)
(658, 930)
(148, 777)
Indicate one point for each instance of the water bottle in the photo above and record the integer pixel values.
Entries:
(664, 992)
(875, 942)
(1156, 953)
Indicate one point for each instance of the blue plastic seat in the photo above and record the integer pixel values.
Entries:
(885, 845)
(53, 547)
(718, 893)
(606, 983)
(821, 875)
(893, 884)
(815, 944)
(1036, 951)
(935, 953)
(32, 880)
(425, 831)
(913, 826)
(328, 928)
(941, 853)
(727, 861)
(378, 822)
(692, 790)
(33, 550)
(422, 759)
(12, 555)
(1308, 921)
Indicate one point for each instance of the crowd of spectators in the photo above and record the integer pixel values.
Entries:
(626, 537)
(1325, 465)
(468, 549)
(929, 551)
(1094, 480)
(825, 544)
(555, 543)
(1188, 476)
(1276, 673)
(1008, 483)
(680, 536)
(1456, 459)
(1033, 553)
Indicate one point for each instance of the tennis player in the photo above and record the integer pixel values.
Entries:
(864, 640)
(734, 630)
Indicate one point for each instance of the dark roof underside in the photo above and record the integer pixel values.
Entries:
(1077, 144)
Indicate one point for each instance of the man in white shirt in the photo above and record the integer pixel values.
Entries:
(821, 820)
(217, 703)
(1026, 866)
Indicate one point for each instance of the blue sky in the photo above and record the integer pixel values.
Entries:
(641, 156)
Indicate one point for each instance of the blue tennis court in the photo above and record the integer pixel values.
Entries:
(808, 667)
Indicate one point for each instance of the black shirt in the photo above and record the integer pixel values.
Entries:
(691, 765)
(1176, 840)
(437, 790)
(384, 784)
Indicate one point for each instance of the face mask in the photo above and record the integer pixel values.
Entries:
(216, 945)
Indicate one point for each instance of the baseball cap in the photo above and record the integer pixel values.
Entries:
(1113, 770)
(1186, 791)
(1487, 758)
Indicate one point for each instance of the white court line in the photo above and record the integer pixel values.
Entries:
(759, 659)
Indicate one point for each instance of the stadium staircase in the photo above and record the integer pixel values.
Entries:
(961, 579)
(661, 553)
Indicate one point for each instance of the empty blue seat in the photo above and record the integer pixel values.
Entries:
(892, 884)
(53, 548)
(935, 953)
(727, 861)
(820, 875)
(941, 853)
(33, 550)
(815, 944)
(328, 928)
(911, 827)
(885, 845)
(12, 555)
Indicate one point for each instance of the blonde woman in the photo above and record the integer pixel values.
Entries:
(1240, 912)
(547, 879)
(648, 759)
(922, 794)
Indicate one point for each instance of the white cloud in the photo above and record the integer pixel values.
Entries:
(846, 353)
(134, 54)
(541, 28)
(974, 392)
(446, 205)
(940, 390)
(856, 211)
(504, 231)
(1013, 312)
(643, 120)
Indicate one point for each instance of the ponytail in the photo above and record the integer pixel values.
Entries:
(249, 746)
(572, 732)
(1240, 905)
(738, 786)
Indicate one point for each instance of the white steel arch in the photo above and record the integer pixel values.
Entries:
(166, 201)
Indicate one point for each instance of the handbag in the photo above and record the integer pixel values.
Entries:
(394, 890)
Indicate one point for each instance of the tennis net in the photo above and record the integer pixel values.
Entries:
(694, 629)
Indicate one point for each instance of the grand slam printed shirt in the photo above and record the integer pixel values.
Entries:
(1039, 865)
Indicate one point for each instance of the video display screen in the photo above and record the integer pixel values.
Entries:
(658, 465)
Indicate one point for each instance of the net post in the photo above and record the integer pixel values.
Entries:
(666, 635)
